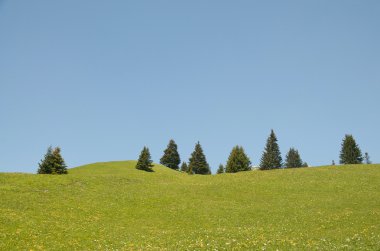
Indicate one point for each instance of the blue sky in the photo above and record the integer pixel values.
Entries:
(101, 79)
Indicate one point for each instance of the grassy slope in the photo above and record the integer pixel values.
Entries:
(114, 206)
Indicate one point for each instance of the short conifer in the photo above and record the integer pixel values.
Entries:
(220, 169)
(144, 162)
(293, 159)
(171, 157)
(53, 163)
(184, 167)
(238, 161)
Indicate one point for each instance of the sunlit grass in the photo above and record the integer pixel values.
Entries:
(116, 207)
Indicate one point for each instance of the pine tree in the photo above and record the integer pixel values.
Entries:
(171, 157)
(238, 161)
(366, 158)
(53, 163)
(59, 166)
(184, 167)
(293, 159)
(271, 158)
(220, 169)
(350, 152)
(144, 162)
(197, 162)
(46, 164)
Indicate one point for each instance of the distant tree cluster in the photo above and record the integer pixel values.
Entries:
(53, 163)
(237, 161)
(197, 162)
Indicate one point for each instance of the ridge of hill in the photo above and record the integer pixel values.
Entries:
(112, 205)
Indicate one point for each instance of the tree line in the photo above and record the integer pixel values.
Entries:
(238, 160)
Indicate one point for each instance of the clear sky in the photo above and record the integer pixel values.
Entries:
(101, 79)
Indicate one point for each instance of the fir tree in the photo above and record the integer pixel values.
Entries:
(350, 152)
(333, 163)
(238, 161)
(53, 163)
(171, 157)
(184, 167)
(293, 159)
(220, 169)
(59, 166)
(46, 164)
(271, 158)
(144, 162)
(366, 158)
(197, 162)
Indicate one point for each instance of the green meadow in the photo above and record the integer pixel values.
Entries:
(113, 206)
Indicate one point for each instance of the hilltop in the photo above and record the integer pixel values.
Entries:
(112, 205)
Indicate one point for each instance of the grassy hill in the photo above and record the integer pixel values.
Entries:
(116, 207)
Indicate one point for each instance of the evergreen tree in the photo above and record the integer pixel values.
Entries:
(238, 161)
(333, 163)
(220, 169)
(271, 158)
(46, 164)
(293, 159)
(197, 162)
(305, 164)
(144, 162)
(171, 157)
(59, 166)
(366, 158)
(350, 152)
(184, 167)
(53, 163)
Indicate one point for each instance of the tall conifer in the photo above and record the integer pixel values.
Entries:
(197, 162)
(45, 166)
(271, 158)
(59, 166)
(350, 152)
(171, 157)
